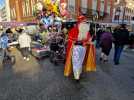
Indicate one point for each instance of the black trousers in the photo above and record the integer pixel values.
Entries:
(25, 52)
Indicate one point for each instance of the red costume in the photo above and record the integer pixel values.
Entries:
(89, 63)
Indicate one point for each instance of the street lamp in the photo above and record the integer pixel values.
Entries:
(123, 15)
(95, 18)
(119, 11)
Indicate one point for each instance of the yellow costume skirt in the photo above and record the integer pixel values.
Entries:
(89, 63)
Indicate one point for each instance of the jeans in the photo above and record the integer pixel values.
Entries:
(117, 54)
(97, 43)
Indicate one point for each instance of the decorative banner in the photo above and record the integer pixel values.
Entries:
(16, 24)
(39, 6)
(63, 10)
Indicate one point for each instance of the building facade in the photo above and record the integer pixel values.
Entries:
(7, 10)
(22, 10)
(123, 11)
(4, 12)
(103, 9)
(0, 16)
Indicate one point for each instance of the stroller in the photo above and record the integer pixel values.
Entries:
(5, 57)
(57, 49)
(1, 56)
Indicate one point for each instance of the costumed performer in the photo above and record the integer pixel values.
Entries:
(78, 37)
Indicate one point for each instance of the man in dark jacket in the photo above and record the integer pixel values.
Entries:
(121, 38)
(98, 36)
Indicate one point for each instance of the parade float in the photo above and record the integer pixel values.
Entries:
(51, 13)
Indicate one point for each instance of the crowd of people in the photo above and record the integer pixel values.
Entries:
(82, 40)
(7, 37)
(119, 37)
(80, 43)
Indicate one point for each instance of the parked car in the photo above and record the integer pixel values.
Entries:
(39, 51)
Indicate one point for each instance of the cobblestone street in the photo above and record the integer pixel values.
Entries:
(41, 80)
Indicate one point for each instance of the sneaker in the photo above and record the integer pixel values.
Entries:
(27, 59)
(24, 58)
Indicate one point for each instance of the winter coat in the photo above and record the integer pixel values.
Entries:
(24, 40)
(106, 40)
(121, 36)
(4, 41)
(98, 34)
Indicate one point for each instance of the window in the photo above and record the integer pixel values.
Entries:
(116, 17)
(23, 8)
(71, 5)
(102, 8)
(117, 1)
(13, 13)
(26, 8)
(109, 7)
(32, 5)
(94, 6)
(84, 3)
(84, 6)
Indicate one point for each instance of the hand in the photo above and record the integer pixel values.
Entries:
(89, 42)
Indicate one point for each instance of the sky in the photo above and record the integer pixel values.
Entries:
(2, 3)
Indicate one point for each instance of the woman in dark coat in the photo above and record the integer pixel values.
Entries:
(106, 44)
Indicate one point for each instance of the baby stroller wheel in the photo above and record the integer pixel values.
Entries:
(13, 60)
(64, 61)
(55, 63)
(1, 63)
(51, 57)
(51, 60)
(9, 59)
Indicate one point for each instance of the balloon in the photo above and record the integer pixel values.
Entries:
(63, 10)
(39, 6)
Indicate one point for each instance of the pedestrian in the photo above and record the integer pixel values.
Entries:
(121, 38)
(10, 35)
(78, 37)
(37, 37)
(4, 44)
(24, 42)
(98, 36)
(105, 44)
(131, 41)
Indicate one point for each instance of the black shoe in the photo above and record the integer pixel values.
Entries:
(77, 81)
(100, 59)
(116, 63)
(105, 61)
